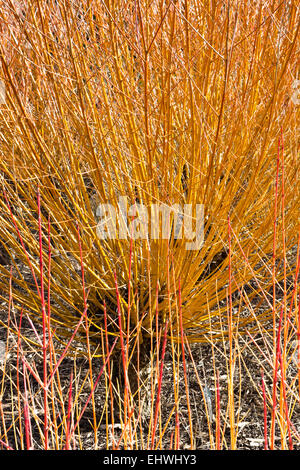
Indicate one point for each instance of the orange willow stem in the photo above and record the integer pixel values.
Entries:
(182, 340)
(285, 404)
(218, 414)
(275, 373)
(231, 363)
(67, 446)
(265, 411)
(274, 245)
(27, 425)
(44, 321)
(159, 386)
(87, 332)
(124, 357)
(109, 376)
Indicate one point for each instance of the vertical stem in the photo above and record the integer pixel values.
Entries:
(184, 368)
(265, 411)
(231, 360)
(42, 296)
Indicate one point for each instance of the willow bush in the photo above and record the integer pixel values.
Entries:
(169, 102)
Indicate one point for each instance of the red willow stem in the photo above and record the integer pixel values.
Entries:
(274, 243)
